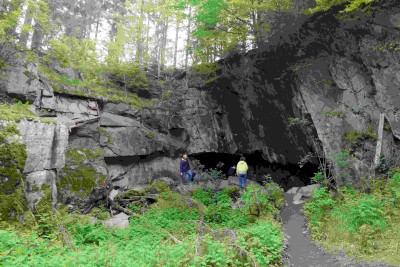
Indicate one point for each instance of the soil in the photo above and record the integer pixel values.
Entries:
(300, 251)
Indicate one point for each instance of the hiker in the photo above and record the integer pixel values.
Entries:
(241, 172)
(185, 169)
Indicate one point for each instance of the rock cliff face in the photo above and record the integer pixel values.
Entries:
(317, 88)
(329, 81)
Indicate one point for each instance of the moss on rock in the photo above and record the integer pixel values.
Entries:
(79, 155)
(106, 134)
(82, 180)
(18, 112)
(12, 161)
(156, 187)
(80, 176)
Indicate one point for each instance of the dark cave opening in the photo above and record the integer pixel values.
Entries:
(286, 175)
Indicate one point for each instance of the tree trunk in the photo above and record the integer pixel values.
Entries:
(139, 38)
(147, 56)
(37, 37)
(176, 41)
(188, 38)
(164, 43)
(24, 36)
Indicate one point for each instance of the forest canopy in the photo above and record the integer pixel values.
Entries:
(146, 34)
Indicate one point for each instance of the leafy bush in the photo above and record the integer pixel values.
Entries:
(351, 5)
(394, 188)
(203, 196)
(264, 241)
(318, 209)
(364, 225)
(172, 232)
(18, 112)
(89, 234)
(367, 210)
(214, 173)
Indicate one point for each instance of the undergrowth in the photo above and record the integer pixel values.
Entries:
(203, 229)
(18, 112)
(88, 88)
(365, 225)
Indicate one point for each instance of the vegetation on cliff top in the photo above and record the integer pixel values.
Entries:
(350, 5)
(18, 111)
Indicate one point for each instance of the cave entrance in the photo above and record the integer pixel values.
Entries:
(285, 175)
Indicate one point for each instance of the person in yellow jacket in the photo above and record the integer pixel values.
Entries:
(241, 172)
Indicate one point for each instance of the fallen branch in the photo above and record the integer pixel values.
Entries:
(201, 230)
(176, 240)
(6, 254)
(122, 209)
(66, 237)
(147, 196)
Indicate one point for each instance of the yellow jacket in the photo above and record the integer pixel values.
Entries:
(241, 167)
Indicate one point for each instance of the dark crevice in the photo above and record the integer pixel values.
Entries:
(130, 160)
(286, 175)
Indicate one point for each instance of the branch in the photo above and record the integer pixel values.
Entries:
(122, 209)
(176, 240)
(243, 251)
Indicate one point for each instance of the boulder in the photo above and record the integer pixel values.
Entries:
(167, 180)
(223, 184)
(185, 189)
(304, 192)
(293, 190)
(120, 220)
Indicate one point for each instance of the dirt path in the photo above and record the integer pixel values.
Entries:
(301, 251)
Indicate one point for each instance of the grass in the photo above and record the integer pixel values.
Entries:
(92, 89)
(18, 112)
(356, 136)
(178, 230)
(365, 226)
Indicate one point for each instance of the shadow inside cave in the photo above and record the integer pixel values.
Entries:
(285, 175)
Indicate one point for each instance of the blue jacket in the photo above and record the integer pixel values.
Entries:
(184, 166)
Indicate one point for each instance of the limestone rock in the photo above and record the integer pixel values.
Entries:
(23, 82)
(111, 120)
(120, 220)
(304, 193)
(130, 171)
(121, 109)
(185, 189)
(130, 141)
(75, 108)
(46, 144)
(167, 180)
(113, 194)
(293, 190)
(34, 183)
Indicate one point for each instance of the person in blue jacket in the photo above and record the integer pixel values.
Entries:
(185, 169)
